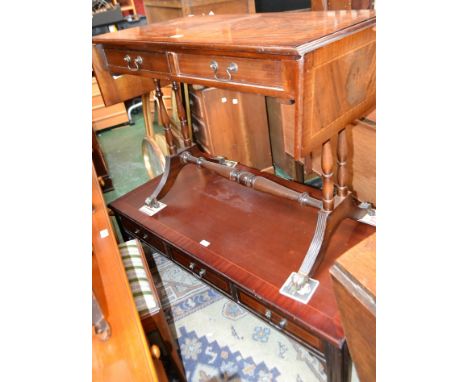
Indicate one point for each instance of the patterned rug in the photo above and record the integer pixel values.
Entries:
(221, 341)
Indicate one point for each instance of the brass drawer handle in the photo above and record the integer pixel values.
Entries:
(145, 236)
(137, 61)
(283, 323)
(192, 266)
(268, 314)
(232, 68)
(202, 272)
(137, 231)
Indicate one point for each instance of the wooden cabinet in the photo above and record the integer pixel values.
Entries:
(159, 10)
(353, 278)
(231, 124)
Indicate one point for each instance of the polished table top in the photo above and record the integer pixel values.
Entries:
(265, 33)
(321, 63)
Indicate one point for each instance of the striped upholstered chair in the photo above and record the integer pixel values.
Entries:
(147, 300)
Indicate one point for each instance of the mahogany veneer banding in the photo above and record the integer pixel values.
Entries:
(256, 241)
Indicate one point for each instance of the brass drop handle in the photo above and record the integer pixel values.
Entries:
(202, 272)
(137, 61)
(232, 68)
(268, 314)
(155, 352)
(145, 236)
(192, 266)
(282, 323)
(214, 68)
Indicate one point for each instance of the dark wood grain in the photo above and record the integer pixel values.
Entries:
(292, 56)
(290, 34)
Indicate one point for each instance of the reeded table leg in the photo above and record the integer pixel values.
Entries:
(182, 114)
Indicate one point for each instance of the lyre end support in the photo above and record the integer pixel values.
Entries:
(327, 222)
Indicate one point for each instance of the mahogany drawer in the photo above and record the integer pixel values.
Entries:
(278, 320)
(200, 270)
(202, 134)
(249, 71)
(196, 106)
(150, 62)
(142, 234)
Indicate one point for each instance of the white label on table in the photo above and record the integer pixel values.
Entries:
(150, 211)
(104, 233)
(235, 101)
(224, 100)
(205, 243)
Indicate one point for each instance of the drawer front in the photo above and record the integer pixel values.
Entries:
(142, 234)
(276, 318)
(248, 71)
(201, 134)
(196, 106)
(148, 62)
(200, 270)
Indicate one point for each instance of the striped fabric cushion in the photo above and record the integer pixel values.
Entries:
(145, 301)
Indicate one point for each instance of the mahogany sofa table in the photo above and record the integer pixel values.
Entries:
(245, 243)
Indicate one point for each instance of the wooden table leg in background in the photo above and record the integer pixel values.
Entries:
(181, 113)
(338, 365)
(165, 119)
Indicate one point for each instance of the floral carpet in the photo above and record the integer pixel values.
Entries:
(221, 341)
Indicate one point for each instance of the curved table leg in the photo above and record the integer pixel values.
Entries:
(172, 168)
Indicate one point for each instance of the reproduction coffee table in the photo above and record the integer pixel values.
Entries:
(320, 66)
(245, 243)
